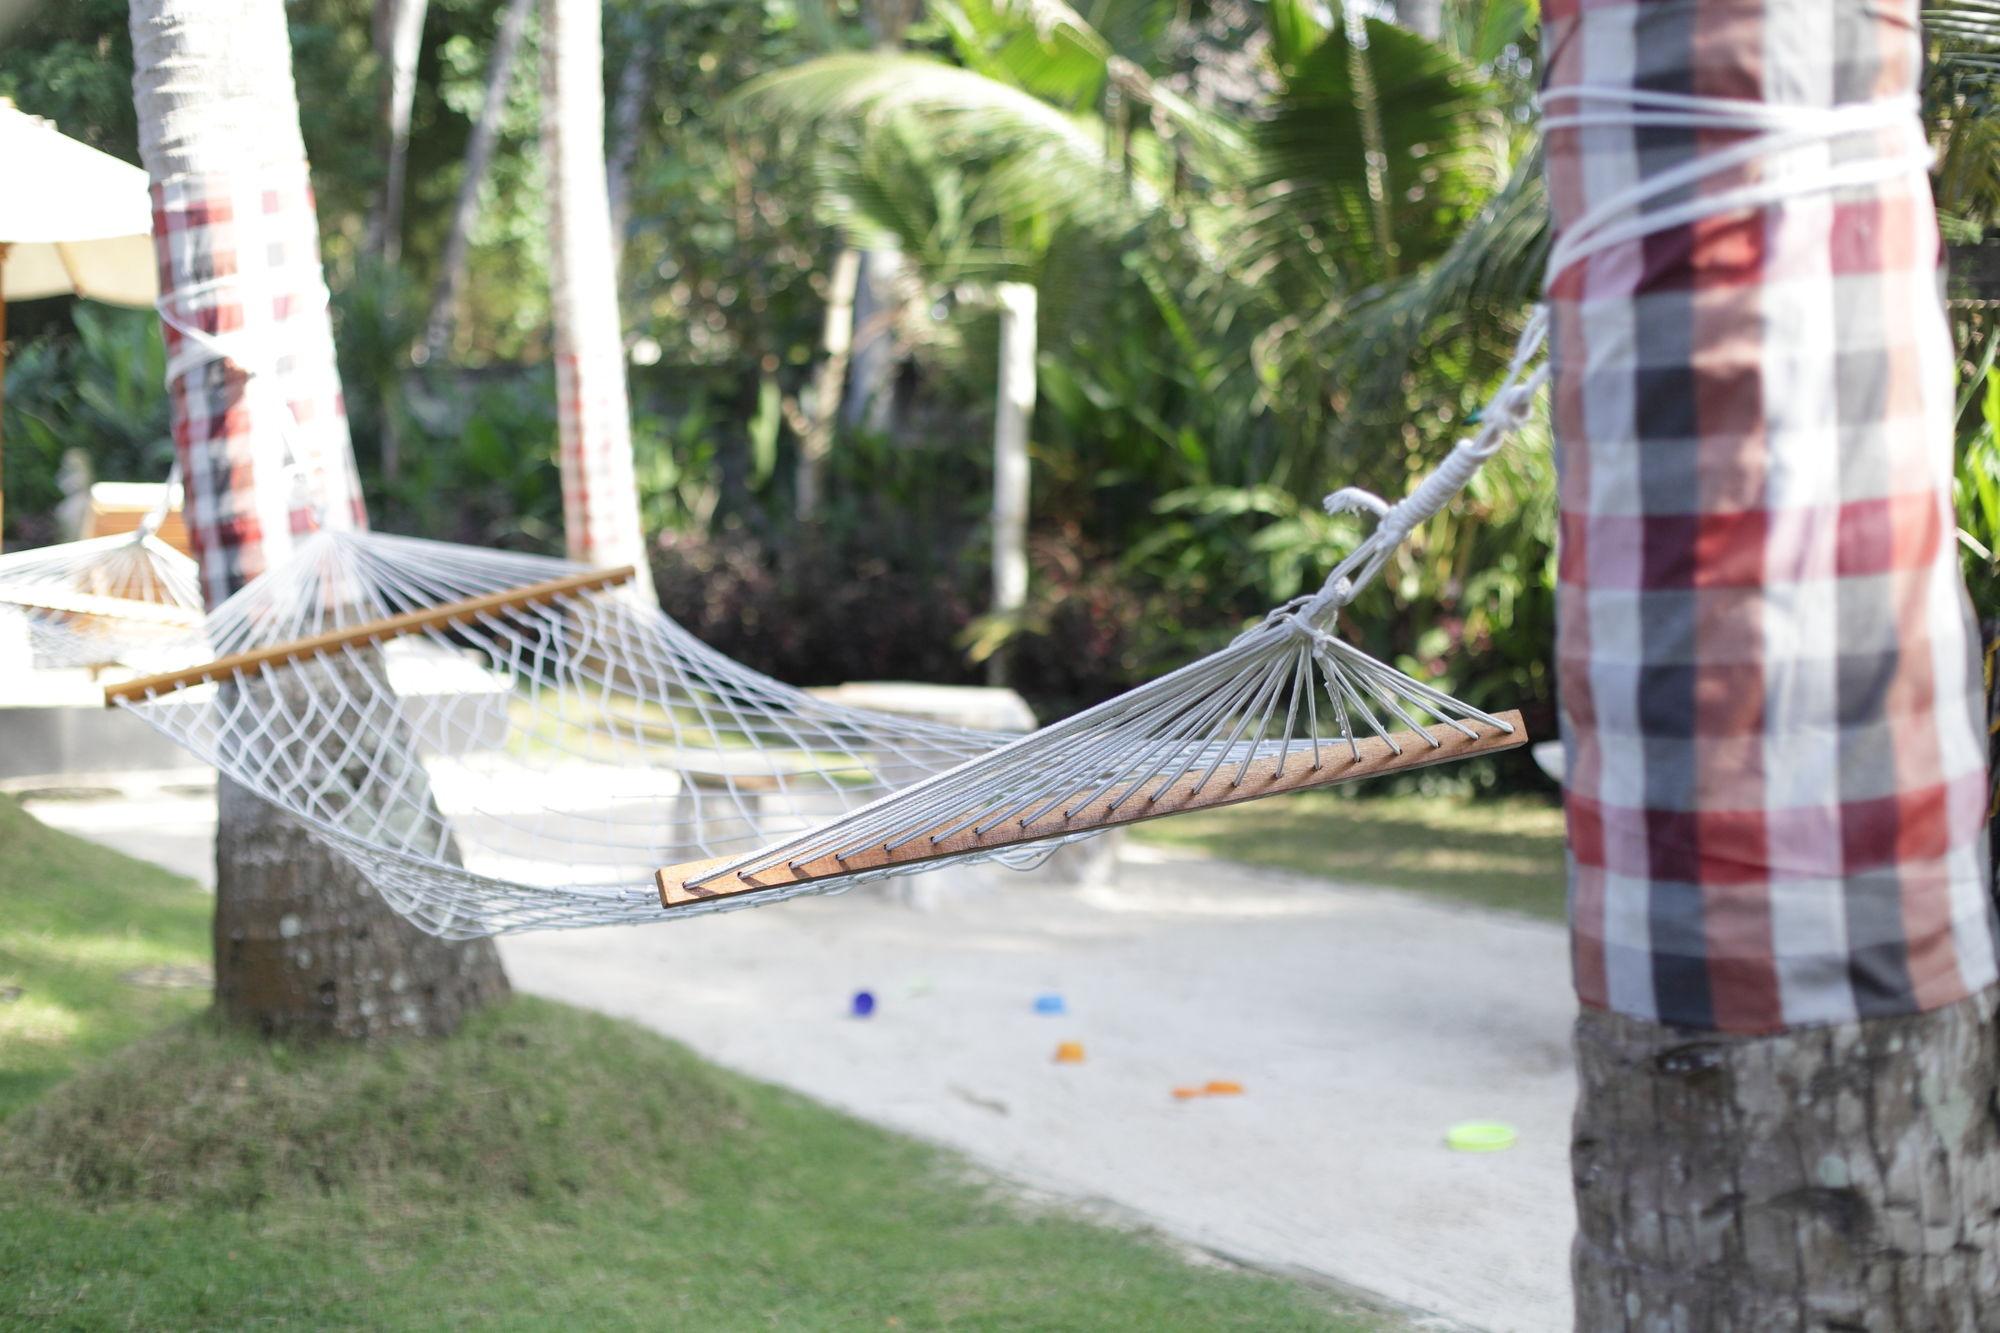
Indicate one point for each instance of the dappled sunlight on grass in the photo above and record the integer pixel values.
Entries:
(79, 921)
(546, 1167)
(32, 1021)
(1505, 853)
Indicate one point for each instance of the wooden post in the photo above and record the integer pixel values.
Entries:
(3, 394)
(1014, 409)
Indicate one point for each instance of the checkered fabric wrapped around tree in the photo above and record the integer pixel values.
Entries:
(1770, 683)
(239, 261)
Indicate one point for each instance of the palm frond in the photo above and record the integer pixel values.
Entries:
(970, 118)
(1442, 150)
(1493, 268)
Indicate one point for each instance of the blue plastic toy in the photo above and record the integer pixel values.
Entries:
(864, 1003)
(1050, 1003)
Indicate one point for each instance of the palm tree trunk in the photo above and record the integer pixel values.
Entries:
(1841, 1177)
(836, 329)
(399, 36)
(871, 383)
(870, 389)
(478, 157)
(635, 85)
(1788, 1112)
(600, 492)
(304, 944)
(1013, 410)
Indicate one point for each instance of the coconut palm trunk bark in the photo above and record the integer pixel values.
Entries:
(399, 36)
(600, 490)
(304, 946)
(1788, 1111)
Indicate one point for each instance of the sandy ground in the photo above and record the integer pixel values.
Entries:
(1360, 1022)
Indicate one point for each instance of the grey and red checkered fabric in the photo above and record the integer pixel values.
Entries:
(1770, 683)
(239, 260)
(600, 492)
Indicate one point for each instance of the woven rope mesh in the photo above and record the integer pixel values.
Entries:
(126, 600)
(533, 764)
(524, 768)
(1288, 705)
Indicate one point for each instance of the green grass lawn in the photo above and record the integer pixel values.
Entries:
(86, 936)
(545, 1168)
(1505, 853)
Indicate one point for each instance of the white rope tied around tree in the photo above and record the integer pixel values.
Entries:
(259, 359)
(526, 768)
(1776, 134)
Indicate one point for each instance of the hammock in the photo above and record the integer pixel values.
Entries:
(124, 600)
(503, 742)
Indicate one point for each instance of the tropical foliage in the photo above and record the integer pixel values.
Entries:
(1280, 248)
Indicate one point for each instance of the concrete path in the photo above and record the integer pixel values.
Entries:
(1360, 1022)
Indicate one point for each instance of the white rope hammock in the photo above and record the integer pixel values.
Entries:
(503, 742)
(125, 600)
(525, 746)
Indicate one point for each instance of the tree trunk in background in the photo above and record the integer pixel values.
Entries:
(635, 87)
(1013, 411)
(478, 157)
(1423, 17)
(304, 945)
(871, 380)
(3, 399)
(600, 491)
(1788, 1113)
(870, 397)
(837, 327)
(399, 38)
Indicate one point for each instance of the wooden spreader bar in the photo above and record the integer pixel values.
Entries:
(684, 885)
(70, 602)
(372, 631)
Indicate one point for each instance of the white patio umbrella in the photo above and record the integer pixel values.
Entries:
(73, 221)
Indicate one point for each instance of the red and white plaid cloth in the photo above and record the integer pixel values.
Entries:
(1769, 678)
(239, 261)
(600, 492)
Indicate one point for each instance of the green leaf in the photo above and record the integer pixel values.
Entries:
(1295, 33)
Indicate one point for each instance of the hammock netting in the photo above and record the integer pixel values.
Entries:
(541, 761)
(126, 600)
